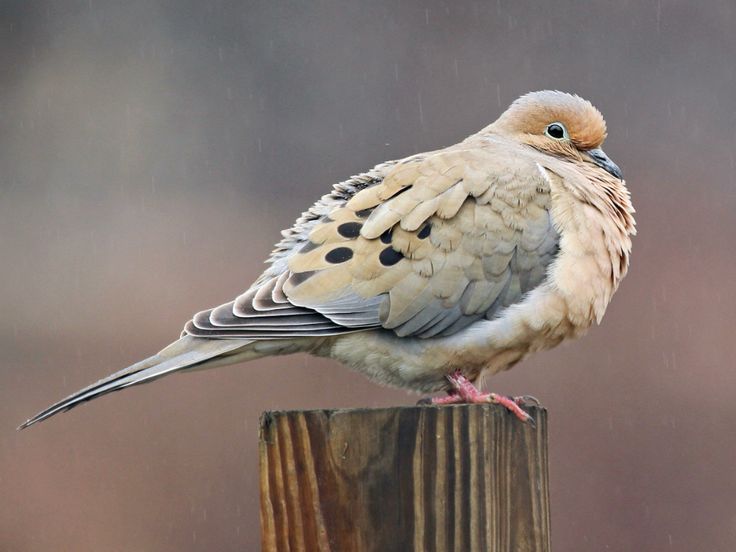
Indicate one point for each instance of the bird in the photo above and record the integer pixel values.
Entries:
(429, 273)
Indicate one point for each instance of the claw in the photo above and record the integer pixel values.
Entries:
(513, 407)
(526, 400)
(464, 392)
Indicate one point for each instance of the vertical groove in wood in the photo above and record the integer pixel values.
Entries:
(490, 470)
(309, 488)
(291, 492)
(542, 480)
(418, 470)
(505, 483)
(440, 486)
(445, 479)
(268, 528)
(430, 462)
(475, 503)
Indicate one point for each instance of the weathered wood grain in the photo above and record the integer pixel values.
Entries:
(426, 478)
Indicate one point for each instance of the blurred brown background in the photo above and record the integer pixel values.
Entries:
(151, 151)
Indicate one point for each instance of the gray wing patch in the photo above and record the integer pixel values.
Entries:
(528, 266)
(509, 275)
(352, 310)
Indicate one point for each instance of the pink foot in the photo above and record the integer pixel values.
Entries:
(464, 392)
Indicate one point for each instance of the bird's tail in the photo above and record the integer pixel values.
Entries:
(187, 352)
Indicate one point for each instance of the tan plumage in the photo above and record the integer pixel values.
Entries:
(466, 258)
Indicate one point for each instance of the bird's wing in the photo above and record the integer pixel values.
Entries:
(423, 247)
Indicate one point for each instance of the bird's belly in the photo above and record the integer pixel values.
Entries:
(489, 346)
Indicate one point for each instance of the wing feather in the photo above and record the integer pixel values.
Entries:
(423, 247)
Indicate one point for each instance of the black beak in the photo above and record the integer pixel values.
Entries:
(599, 157)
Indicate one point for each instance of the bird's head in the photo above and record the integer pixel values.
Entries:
(560, 124)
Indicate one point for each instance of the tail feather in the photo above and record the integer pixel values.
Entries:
(187, 352)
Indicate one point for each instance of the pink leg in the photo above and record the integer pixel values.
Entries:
(463, 392)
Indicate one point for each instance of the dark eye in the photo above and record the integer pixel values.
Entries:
(556, 131)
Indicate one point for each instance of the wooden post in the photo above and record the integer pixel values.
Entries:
(425, 478)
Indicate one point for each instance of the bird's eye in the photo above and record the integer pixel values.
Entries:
(556, 131)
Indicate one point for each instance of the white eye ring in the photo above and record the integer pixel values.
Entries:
(556, 131)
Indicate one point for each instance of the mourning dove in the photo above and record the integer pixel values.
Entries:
(428, 272)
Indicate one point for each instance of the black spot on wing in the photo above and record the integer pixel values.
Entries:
(425, 231)
(363, 213)
(390, 256)
(339, 255)
(349, 229)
